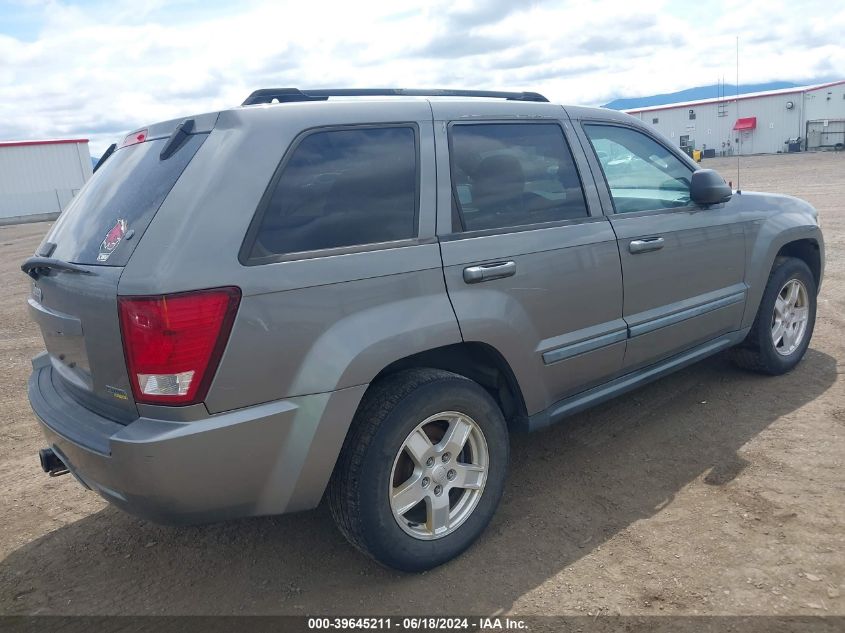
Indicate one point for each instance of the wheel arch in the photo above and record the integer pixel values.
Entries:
(481, 363)
(804, 242)
(807, 250)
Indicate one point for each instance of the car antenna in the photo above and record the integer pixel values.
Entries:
(739, 144)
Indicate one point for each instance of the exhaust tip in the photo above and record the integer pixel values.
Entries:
(50, 462)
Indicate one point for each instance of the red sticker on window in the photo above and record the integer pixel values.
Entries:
(112, 239)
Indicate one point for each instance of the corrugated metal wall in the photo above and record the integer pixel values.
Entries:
(41, 179)
(713, 124)
(825, 115)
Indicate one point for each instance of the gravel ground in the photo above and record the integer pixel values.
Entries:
(712, 491)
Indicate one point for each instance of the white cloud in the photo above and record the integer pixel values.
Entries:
(103, 69)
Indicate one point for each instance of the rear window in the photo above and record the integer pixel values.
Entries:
(339, 188)
(126, 192)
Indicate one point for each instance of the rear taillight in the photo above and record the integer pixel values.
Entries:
(173, 343)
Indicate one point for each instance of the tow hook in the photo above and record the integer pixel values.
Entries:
(51, 464)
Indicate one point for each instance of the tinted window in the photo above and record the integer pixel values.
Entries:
(342, 188)
(642, 174)
(512, 174)
(129, 186)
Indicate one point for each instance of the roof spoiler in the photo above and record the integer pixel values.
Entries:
(288, 95)
(105, 156)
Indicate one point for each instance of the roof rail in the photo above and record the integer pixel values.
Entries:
(287, 95)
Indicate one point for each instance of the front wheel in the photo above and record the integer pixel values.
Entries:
(784, 323)
(422, 470)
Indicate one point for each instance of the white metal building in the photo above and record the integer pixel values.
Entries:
(39, 178)
(755, 123)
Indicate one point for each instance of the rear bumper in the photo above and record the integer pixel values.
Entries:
(267, 459)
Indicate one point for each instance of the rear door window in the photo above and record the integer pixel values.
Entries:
(125, 192)
(512, 174)
(340, 188)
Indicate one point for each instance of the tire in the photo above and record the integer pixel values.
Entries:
(759, 352)
(374, 460)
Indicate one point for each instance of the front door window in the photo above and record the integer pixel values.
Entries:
(642, 174)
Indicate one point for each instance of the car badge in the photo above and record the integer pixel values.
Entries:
(112, 239)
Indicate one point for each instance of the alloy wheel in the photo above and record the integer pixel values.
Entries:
(438, 475)
(790, 317)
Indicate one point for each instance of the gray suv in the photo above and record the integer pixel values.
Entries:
(359, 294)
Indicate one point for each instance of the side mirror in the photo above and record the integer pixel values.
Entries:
(708, 187)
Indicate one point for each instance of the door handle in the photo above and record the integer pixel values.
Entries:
(646, 245)
(486, 272)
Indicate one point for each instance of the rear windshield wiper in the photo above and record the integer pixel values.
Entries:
(37, 266)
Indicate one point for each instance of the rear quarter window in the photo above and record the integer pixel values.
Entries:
(339, 188)
(130, 186)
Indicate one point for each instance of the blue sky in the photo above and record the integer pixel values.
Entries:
(19, 20)
(24, 19)
(100, 68)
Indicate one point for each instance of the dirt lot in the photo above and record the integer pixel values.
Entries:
(712, 491)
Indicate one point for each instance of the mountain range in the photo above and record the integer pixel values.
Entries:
(701, 92)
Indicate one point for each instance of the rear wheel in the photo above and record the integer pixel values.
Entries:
(422, 470)
(784, 323)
